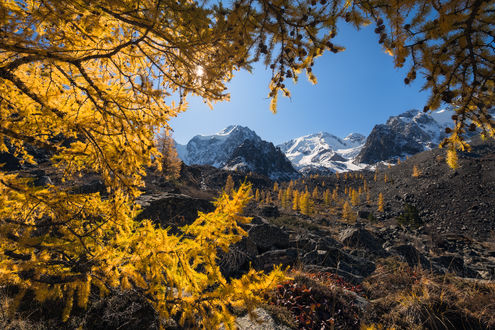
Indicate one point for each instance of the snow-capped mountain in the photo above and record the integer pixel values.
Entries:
(406, 134)
(216, 149)
(263, 158)
(323, 152)
(237, 148)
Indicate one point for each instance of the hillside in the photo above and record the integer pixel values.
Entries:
(437, 227)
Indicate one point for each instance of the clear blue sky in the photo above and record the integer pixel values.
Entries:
(356, 89)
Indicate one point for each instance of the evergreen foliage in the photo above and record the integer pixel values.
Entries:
(410, 217)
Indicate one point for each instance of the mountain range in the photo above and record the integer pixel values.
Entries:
(240, 148)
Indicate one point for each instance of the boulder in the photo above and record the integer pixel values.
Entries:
(91, 187)
(262, 321)
(8, 162)
(411, 255)
(361, 238)
(269, 259)
(268, 237)
(270, 211)
(455, 264)
(339, 259)
(172, 210)
(363, 214)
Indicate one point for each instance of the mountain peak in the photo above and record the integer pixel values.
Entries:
(234, 128)
(323, 151)
(408, 133)
(355, 138)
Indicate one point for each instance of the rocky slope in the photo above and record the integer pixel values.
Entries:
(452, 243)
(453, 232)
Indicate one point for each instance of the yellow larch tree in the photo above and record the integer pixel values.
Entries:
(380, 202)
(315, 194)
(171, 164)
(347, 213)
(229, 185)
(335, 194)
(416, 172)
(295, 200)
(354, 197)
(288, 197)
(257, 196)
(268, 197)
(305, 203)
(327, 197)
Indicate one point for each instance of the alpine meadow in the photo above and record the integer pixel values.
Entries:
(87, 90)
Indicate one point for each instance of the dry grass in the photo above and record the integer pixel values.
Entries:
(12, 320)
(407, 298)
(399, 297)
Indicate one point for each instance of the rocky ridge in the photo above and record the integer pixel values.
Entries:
(238, 148)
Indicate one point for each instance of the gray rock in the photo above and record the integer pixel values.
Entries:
(269, 259)
(172, 210)
(91, 187)
(411, 255)
(363, 214)
(42, 181)
(262, 321)
(455, 264)
(339, 259)
(9, 162)
(267, 237)
(270, 211)
(362, 239)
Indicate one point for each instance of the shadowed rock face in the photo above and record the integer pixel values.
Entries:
(238, 148)
(263, 158)
(386, 142)
(9, 162)
(406, 134)
(217, 149)
(172, 210)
